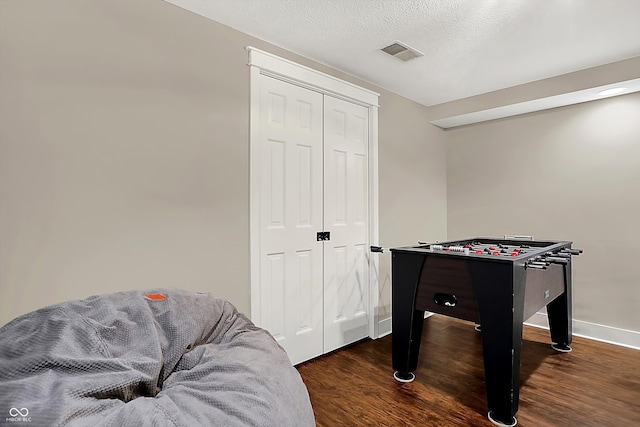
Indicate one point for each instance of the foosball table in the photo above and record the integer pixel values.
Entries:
(496, 283)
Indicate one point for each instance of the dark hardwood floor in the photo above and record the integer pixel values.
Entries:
(597, 384)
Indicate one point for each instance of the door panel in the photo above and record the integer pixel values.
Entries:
(290, 215)
(346, 289)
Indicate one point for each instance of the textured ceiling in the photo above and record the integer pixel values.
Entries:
(470, 46)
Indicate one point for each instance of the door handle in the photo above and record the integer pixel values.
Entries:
(322, 236)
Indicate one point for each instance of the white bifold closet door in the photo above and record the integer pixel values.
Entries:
(346, 206)
(313, 177)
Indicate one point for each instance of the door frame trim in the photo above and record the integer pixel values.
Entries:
(265, 63)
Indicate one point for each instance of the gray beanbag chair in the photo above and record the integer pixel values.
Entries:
(127, 359)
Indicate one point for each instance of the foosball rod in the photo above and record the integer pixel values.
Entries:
(556, 260)
(571, 251)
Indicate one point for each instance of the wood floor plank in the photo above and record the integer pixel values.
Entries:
(598, 384)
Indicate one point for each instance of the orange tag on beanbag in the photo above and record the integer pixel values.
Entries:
(155, 297)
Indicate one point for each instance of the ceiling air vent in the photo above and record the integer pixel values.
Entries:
(402, 51)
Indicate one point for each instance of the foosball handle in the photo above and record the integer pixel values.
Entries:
(557, 260)
(572, 251)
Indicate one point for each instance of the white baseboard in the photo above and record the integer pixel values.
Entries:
(594, 331)
(384, 327)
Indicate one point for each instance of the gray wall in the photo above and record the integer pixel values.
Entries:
(124, 158)
(412, 183)
(570, 173)
(124, 163)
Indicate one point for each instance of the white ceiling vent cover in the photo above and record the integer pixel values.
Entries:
(402, 51)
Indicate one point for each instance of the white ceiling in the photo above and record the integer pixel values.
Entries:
(471, 46)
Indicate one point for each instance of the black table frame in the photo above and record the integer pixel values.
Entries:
(499, 287)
